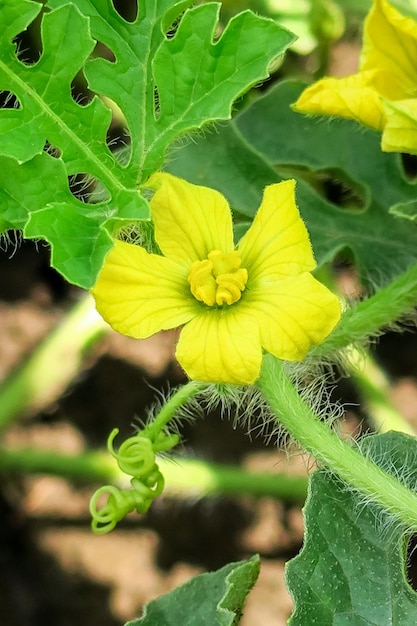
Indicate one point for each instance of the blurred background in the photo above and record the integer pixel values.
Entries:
(53, 570)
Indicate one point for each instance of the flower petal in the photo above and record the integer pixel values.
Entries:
(221, 346)
(277, 244)
(400, 132)
(354, 97)
(293, 315)
(190, 220)
(139, 293)
(390, 45)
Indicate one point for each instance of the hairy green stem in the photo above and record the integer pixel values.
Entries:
(321, 442)
(180, 397)
(183, 477)
(52, 365)
(367, 318)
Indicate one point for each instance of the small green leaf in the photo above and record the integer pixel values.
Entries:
(156, 81)
(81, 253)
(216, 598)
(351, 570)
(36, 199)
(191, 94)
(47, 110)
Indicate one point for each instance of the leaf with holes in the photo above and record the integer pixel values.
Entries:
(351, 570)
(50, 137)
(268, 142)
(34, 192)
(167, 86)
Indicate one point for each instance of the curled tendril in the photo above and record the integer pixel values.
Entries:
(120, 502)
(154, 483)
(135, 455)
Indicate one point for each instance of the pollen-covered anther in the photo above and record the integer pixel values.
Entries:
(219, 279)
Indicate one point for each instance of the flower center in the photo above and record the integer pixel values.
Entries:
(219, 279)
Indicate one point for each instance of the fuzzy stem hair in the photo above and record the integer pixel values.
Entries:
(357, 471)
(168, 410)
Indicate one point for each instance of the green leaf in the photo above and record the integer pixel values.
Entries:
(382, 245)
(188, 94)
(351, 570)
(129, 80)
(34, 192)
(160, 89)
(210, 599)
(225, 161)
(278, 143)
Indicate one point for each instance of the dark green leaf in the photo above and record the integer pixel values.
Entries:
(351, 570)
(382, 245)
(268, 142)
(214, 599)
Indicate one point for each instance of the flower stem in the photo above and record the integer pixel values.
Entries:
(368, 317)
(182, 395)
(334, 453)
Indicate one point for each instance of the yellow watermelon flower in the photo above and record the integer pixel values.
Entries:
(383, 94)
(231, 302)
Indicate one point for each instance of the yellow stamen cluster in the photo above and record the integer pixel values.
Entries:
(219, 279)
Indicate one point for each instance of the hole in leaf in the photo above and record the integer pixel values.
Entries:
(411, 562)
(156, 102)
(171, 29)
(29, 42)
(340, 190)
(86, 188)
(409, 165)
(53, 151)
(9, 100)
(103, 52)
(118, 123)
(118, 135)
(127, 10)
(333, 185)
(118, 140)
(80, 91)
(122, 153)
